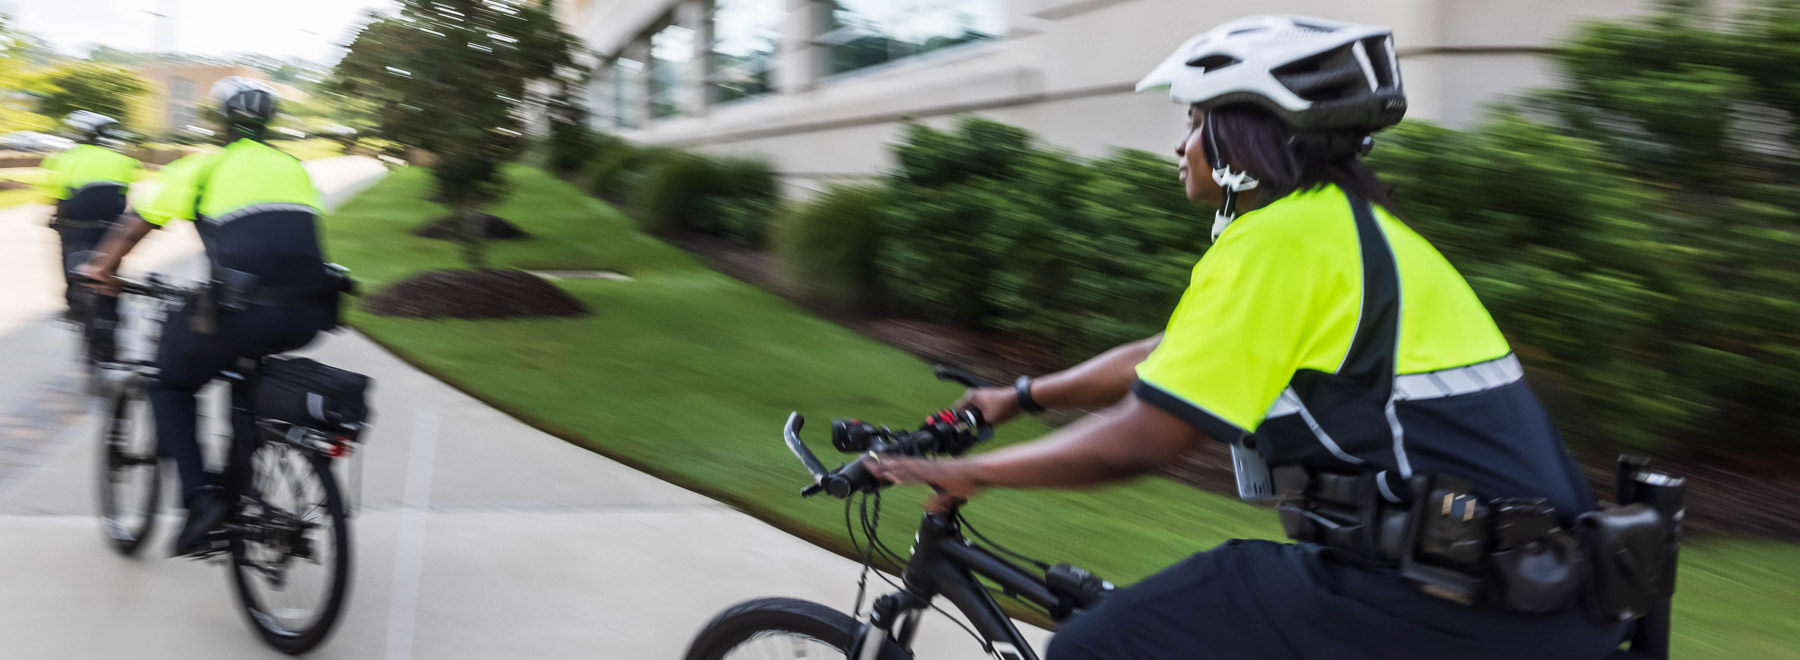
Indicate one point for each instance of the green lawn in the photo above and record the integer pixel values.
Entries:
(688, 374)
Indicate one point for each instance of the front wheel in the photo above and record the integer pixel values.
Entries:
(290, 547)
(129, 470)
(781, 628)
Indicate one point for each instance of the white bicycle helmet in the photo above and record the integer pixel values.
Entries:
(244, 101)
(1313, 73)
(1320, 77)
(91, 126)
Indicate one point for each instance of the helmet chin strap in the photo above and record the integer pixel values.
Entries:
(1232, 181)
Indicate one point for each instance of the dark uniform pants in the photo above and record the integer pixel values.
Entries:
(187, 360)
(101, 311)
(1260, 599)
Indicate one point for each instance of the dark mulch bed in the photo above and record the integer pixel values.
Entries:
(1726, 494)
(759, 267)
(473, 294)
(497, 229)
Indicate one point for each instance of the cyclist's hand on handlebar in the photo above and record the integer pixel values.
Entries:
(98, 276)
(951, 478)
(997, 404)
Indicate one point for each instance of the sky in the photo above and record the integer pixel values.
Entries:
(307, 29)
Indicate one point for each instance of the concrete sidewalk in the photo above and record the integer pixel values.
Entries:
(478, 536)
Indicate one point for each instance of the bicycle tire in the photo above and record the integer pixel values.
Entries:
(295, 642)
(749, 620)
(129, 409)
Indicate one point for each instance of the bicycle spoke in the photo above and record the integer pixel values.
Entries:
(783, 645)
(291, 593)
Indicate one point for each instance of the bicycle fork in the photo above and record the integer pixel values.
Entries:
(941, 564)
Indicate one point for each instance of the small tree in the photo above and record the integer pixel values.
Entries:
(14, 115)
(90, 86)
(449, 77)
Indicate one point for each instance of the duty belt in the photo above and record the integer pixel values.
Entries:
(1618, 562)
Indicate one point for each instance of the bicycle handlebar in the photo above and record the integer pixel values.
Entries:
(945, 432)
(153, 287)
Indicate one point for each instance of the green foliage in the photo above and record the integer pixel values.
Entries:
(725, 196)
(673, 192)
(979, 148)
(829, 245)
(1689, 301)
(617, 167)
(448, 77)
(101, 88)
(13, 117)
(988, 231)
(744, 203)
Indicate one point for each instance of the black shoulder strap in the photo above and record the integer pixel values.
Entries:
(1372, 351)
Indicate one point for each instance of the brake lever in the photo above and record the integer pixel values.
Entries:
(958, 376)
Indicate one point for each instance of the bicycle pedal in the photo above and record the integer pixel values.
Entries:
(214, 553)
(218, 544)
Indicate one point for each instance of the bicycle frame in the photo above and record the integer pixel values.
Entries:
(945, 564)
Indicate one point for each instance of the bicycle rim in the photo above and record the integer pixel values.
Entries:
(130, 475)
(784, 645)
(291, 583)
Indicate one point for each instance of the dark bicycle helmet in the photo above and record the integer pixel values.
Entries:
(244, 101)
(91, 127)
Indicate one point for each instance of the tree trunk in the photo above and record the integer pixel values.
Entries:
(472, 233)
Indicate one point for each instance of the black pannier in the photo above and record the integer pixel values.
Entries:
(303, 391)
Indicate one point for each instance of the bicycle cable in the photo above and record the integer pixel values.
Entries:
(871, 529)
(870, 524)
(1041, 564)
(862, 581)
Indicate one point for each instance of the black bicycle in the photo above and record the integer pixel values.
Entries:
(967, 572)
(287, 539)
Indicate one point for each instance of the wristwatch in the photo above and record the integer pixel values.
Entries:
(1022, 387)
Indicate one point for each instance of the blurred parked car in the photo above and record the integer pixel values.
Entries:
(34, 141)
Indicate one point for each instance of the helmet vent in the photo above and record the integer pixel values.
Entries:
(1212, 62)
(1330, 75)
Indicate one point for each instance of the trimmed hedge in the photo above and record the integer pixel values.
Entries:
(828, 247)
(989, 231)
(729, 197)
(671, 191)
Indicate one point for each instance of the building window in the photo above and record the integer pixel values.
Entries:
(602, 113)
(181, 103)
(671, 49)
(864, 33)
(627, 93)
(745, 35)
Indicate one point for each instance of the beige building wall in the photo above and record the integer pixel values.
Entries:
(1063, 69)
(178, 93)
